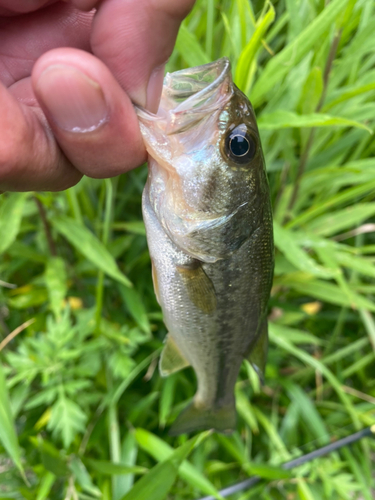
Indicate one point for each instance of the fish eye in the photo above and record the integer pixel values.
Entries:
(240, 146)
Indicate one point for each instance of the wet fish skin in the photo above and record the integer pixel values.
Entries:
(209, 229)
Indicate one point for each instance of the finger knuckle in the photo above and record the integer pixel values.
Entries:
(14, 149)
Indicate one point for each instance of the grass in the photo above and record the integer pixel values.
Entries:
(83, 411)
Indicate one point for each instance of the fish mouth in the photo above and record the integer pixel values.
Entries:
(194, 87)
(191, 94)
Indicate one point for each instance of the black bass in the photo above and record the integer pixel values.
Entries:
(207, 211)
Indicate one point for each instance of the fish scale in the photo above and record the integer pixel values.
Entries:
(207, 213)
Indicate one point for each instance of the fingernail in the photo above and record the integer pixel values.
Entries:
(75, 102)
(154, 88)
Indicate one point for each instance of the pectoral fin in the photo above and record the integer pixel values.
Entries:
(171, 359)
(258, 352)
(200, 289)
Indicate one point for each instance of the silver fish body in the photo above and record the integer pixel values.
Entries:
(207, 212)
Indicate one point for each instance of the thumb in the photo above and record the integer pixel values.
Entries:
(135, 38)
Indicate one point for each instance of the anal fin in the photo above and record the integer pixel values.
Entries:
(171, 359)
(258, 352)
(200, 288)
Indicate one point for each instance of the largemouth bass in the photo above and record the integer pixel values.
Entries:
(207, 211)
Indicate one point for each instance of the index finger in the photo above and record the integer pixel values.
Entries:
(135, 38)
(12, 7)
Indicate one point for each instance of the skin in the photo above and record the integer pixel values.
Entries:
(69, 76)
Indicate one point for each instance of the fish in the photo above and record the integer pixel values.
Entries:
(207, 212)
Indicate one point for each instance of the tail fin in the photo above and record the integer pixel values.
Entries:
(194, 418)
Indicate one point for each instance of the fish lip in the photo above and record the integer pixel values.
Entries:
(144, 114)
(196, 102)
(170, 79)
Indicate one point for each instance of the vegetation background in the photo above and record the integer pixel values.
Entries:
(83, 411)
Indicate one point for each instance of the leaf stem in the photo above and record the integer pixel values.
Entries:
(105, 238)
(47, 228)
(15, 332)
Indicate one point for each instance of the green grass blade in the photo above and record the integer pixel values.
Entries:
(266, 471)
(111, 468)
(369, 324)
(293, 53)
(296, 336)
(87, 244)
(245, 409)
(304, 491)
(318, 365)
(166, 399)
(359, 264)
(328, 292)
(288, 119)
(210, 27)
(134, 227)
(160, 450)
(310, 415)
(83, 478)
(274, 437)
(333, 222)
(343, 197)
(248, 54)
(135, 307)
(45, 486)
(56, 281)
(10, 219)
(349, 94)
(285, 242)
(189, 47)
(157, 483)
(311, 92)
(132, 375)
(8, 436)
(129, 454)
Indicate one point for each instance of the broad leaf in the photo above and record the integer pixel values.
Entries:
(67, 419)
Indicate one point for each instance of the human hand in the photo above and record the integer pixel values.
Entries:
(68, 78)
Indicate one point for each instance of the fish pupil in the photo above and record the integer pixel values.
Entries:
(239, 145)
